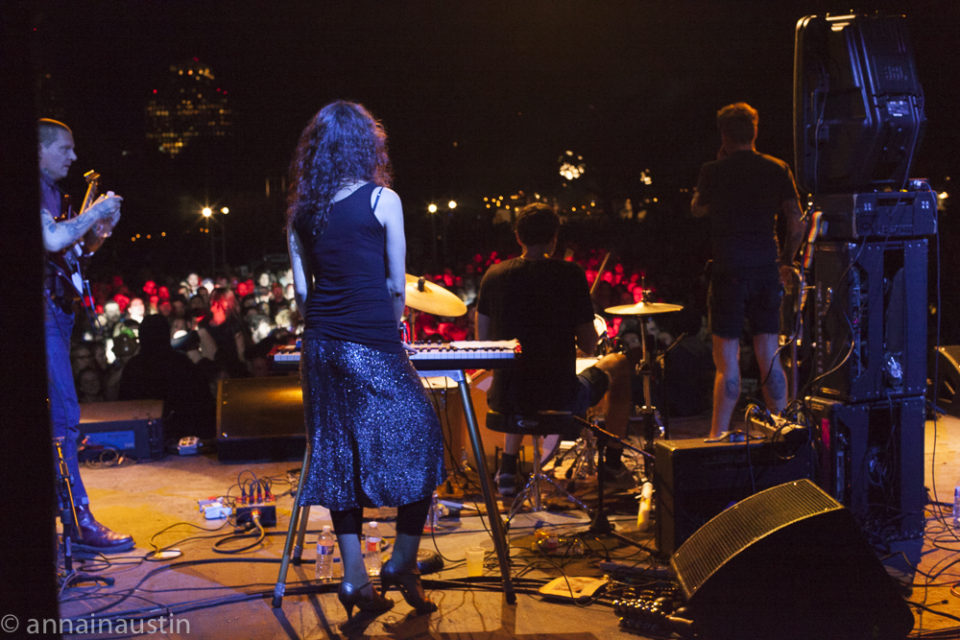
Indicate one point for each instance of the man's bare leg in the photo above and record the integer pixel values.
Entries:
(765, 345)
(726, 383)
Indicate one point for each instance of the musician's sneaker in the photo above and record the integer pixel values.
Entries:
(507, 484)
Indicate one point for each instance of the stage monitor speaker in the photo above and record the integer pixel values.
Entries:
(260, 419)
(788, 563)
(696, 480)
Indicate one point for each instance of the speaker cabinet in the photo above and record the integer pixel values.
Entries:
(871, 460)
(858, 105)
(696, 480)
(871, 319)
(788, 563)
(132, 427)
(260, 419)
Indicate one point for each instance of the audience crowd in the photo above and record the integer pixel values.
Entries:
(174, 339)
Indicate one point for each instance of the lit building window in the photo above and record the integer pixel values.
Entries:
(185, 110)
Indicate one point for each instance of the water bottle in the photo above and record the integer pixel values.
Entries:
(435, 512)
(371, 549)
(325, 547)
(956, 506)
(644, 506)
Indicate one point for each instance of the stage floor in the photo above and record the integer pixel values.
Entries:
(206, 594)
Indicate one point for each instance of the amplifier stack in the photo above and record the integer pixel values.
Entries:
(867, 406)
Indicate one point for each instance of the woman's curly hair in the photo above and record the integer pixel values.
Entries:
(342, 143)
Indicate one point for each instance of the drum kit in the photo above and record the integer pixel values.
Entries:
(647, 417)
(427, 297)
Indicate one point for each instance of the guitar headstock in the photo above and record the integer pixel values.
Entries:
(93, 185)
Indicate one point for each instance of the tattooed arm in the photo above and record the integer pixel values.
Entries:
(60, 235)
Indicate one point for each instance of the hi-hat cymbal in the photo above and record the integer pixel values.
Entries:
(428, 297)
(643, 308)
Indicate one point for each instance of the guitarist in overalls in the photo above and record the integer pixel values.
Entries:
(68, 240)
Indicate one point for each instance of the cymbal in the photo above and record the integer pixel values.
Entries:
(428, 297)
(643, 308)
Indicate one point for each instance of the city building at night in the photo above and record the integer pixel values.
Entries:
(189, 105)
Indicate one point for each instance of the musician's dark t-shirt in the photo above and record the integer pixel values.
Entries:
(540, 303)
(744, 191)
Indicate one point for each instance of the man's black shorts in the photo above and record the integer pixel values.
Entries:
(755, 295)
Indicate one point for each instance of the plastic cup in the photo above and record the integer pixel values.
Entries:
(474, 557)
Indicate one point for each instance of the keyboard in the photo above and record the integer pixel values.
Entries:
(434, 356)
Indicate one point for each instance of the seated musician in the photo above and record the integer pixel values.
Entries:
(545, 304)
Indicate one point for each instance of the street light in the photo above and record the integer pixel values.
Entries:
(207, 214)
(432, 210)
(223, 234)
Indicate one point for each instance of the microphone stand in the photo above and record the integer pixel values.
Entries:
(599, 523)
(70, 523)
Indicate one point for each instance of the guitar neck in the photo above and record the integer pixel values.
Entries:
(93, 185)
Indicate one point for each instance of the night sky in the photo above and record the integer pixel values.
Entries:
(478, 98)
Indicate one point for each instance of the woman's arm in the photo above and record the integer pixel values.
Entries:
(298, 264)
(389, 212)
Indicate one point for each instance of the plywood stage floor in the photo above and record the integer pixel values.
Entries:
(206, 594)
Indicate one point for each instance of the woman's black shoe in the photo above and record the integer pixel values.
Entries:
(369, 602)
(408, 582)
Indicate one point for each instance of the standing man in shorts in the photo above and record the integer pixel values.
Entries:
(742, 192)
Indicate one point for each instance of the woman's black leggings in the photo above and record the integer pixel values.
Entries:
(410, 519)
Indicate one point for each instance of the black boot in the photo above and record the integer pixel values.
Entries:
(93, 536)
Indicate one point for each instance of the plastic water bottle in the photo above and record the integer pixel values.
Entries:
(645, 505)
(435, 512)
(956, 506)
(325, 547)
(371, 549)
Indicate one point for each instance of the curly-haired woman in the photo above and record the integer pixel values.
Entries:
(375, 438)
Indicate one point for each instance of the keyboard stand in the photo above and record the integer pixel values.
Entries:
(493, 511)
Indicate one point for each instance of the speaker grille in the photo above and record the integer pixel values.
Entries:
(744, 523)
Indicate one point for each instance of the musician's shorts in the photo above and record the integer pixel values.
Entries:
(755, 296)
(593, 385)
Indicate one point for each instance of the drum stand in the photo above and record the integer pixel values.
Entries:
(583, 465)
(651, 424)
(531, 491)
